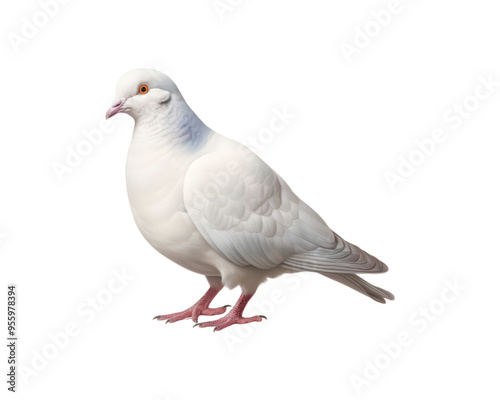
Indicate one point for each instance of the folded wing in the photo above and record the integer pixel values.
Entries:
(250, 216)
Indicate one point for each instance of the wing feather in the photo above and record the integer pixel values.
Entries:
(252, 217)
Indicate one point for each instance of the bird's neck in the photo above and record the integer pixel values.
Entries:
(175, 124)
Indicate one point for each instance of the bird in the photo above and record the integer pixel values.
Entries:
(211, 205)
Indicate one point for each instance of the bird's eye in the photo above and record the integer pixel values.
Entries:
(143, 89)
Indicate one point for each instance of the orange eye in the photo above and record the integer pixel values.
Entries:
(143, 89)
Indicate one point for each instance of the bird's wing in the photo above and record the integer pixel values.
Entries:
(250, 216)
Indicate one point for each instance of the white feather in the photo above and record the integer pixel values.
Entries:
(212, 206)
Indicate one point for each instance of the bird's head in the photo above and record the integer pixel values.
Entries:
(141, 92)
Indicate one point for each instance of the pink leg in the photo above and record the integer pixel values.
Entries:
(199, 308)
(235, 316)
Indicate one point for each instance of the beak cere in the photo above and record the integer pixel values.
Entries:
(115, 108)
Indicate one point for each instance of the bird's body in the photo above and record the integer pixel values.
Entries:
(210, 205)
(156, 175)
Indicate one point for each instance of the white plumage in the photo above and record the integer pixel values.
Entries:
(212, 206)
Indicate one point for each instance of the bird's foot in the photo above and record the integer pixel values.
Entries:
(192, 312)
(230, 319)
(235, 316)
(201, 307)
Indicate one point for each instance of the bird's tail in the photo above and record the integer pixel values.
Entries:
(362, 286)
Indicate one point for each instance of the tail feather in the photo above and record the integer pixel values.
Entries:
(340, 257)
(359, 284)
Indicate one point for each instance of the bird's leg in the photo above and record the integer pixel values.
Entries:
(201, 307)
(235, 316)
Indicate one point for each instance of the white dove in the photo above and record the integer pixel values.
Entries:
(211, 205)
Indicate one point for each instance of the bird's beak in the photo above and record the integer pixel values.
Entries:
(116, 107)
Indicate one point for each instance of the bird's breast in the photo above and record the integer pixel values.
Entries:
(155, 180)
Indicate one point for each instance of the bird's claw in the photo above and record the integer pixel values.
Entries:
(229, 320)
(192, 313)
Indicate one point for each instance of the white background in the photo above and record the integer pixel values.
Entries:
(62, 240)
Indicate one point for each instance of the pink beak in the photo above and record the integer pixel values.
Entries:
(116, 107)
